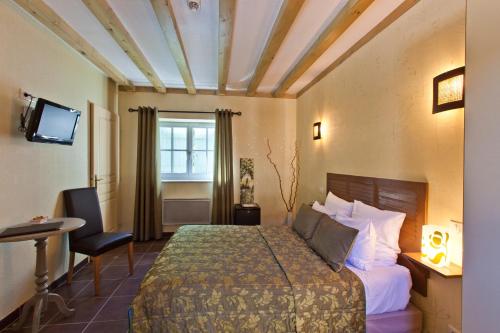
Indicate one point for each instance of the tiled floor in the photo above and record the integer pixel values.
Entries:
(108, 312)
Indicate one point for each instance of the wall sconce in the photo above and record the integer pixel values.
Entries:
(435, 245)
(449, 90)
(317, 130)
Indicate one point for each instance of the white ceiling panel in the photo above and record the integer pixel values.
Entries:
(253, 23)
(199, 33)
(374, 14)
(312, 19)
(140, 20)
(76, 14)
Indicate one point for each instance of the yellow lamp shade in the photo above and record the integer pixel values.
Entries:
(435, 245)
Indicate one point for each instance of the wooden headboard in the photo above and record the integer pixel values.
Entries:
(396, 195)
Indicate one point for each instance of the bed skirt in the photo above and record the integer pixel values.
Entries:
(408, 321)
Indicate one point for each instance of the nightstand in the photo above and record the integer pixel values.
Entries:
(451, 271)
(246, 215)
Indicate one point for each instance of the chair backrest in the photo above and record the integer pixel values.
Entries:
(84, 203)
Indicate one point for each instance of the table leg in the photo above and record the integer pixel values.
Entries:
(37, 313)
(42, 297)
(63, 308)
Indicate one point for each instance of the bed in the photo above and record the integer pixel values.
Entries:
(267, 279)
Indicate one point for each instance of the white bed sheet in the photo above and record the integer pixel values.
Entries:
(387, 289)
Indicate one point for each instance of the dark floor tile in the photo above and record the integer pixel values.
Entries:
(85, 274)
(115, 272)
(122, 260)
(148, 259)
(107, 287)
(139, 271)
(66, 328)
(117, 250)
(128, 287)
(116, 326)
(107, 259)
(115, 309)
(158, 245)
(85, 310)
(70, 291)
(141, 247)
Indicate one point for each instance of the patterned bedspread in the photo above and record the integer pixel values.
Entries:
(245, 279)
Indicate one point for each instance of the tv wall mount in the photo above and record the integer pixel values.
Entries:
(26, 114)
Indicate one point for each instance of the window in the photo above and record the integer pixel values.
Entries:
(187, 150)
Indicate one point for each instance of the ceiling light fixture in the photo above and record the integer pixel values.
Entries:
(194, 5)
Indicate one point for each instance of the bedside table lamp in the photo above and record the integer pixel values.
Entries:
(435, 245)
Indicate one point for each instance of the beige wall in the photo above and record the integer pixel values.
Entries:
(481, 289)
(32, 175)
(262, 118)
(379, 122)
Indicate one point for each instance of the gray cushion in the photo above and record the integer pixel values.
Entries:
(333, 242)
(306, 221)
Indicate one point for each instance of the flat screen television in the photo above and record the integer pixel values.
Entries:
(52, 123)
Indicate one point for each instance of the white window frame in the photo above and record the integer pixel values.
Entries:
(189, 124)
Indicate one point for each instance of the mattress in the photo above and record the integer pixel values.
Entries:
(387, 289)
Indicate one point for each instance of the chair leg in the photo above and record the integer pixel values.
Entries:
(97, 270)
(131, 258)
(71, 266)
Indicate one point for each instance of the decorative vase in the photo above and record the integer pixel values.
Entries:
(289, 220)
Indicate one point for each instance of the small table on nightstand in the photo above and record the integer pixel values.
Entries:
(42, 296)
(451, 271)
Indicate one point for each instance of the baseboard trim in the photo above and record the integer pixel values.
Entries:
(12, 317)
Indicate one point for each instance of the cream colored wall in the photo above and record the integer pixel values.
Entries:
(377, 108)
(481, 289)
(32, 175)
(262, 118)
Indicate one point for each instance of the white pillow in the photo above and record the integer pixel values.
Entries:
(387, 225)
(363, 250)
(322, 209)
(337, 205)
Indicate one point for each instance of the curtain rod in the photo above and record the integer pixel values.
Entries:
(199, 112)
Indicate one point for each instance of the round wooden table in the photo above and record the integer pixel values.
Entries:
(43, 297)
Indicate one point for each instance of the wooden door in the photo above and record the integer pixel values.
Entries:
(104, 162)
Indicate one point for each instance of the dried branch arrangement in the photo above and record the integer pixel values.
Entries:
(294, 182)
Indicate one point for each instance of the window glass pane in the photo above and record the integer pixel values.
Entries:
(211, 138)
(180, 161)
(165, 137)
(210, 163)
(166, 161)
(199, 159)
(199, 138)
(180, 138)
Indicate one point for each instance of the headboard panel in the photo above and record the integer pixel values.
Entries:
(389, 194)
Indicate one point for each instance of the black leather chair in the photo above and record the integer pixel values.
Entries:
(91, 240)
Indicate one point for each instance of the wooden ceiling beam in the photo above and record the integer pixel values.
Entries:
(226, 27)
(110, 21)
(49, 18)
(166, 17)
(288, 12)
(138, 89)
(340, 23)
(387, 21)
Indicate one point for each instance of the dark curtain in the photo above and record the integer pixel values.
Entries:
(147, 213)
(223, 191)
